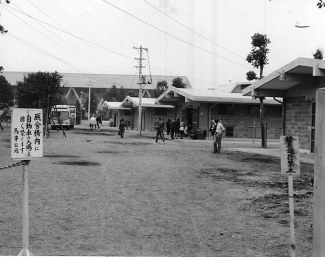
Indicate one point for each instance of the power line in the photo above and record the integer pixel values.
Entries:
(165, 32)
(70, 34)
(84, 55)
(196, 33)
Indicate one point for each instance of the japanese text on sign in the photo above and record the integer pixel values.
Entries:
(26, 133)
(290, 163)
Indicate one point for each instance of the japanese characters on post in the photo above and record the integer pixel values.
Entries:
(26, 133)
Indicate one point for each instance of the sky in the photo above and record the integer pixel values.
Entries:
(206, 40)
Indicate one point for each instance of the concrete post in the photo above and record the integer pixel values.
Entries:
(319, 178)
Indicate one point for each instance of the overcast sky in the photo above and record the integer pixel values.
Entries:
(205, 40)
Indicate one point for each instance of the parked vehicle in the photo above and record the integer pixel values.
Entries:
(63, 115)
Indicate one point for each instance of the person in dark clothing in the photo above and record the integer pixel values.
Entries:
(173, 127)
(98, 121)
(122, 127)
(163, 128)
(159, 129)
(168, 125)
(177, 126)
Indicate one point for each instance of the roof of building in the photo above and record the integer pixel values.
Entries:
(286, 77)
(99, 80)
(208, 95)
(113, 106)
(145, 102)
(232, 87)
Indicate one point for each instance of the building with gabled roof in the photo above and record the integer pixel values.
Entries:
(239, 114)
(128, 109)
(77, 84)
(296, 82)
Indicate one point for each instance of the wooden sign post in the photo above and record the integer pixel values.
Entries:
(26, 144)
(290, 166)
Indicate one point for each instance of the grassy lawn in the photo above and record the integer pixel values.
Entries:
(98, 194)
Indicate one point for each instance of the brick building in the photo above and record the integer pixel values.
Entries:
(296, 83)
(240, 114)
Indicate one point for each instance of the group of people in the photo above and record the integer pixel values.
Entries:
(216, 130)
(95, 122)
(176, 128)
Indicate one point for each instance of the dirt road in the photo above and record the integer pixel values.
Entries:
(94, 194)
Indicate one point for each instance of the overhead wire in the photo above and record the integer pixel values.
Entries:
(192, 30)
(84, 55)
(52, 40)
(71, 34)
(175, 37)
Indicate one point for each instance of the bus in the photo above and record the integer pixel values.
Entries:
(64, 115)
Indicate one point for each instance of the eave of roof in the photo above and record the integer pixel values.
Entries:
(146, 102)
(286, 77)
(209, 96)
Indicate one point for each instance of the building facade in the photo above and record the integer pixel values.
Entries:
(240, 115)
(296, 83)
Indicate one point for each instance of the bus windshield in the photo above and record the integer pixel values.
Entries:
(60, 114)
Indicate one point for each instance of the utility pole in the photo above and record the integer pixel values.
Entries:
(89, 102)
(140, 83)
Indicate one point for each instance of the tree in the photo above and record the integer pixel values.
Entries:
(318, 54)
(258, 58)
(178, 82)
(6, 94)
(258, 55)
(40, 90)
(132, 93)
(160, 88)
(111, 95)
(3, 31)
(93, 104)
(321, 4)
(251, 75)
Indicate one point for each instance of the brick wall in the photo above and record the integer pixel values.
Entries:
(298, 120)
(242, 120)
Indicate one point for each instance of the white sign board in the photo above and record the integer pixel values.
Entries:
(290, 162)
(26, 133)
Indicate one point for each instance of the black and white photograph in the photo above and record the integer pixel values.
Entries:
(162, 128)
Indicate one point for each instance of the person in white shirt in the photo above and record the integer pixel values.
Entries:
(218, 135)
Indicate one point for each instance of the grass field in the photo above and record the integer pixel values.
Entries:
(98, 194)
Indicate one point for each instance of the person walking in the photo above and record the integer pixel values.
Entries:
(212, 129)
(92, 122)
(177, 126)
(168, 125)
(172, 129)
(159, 128)
(122, 127)
(218, 135)
(163, 128)
(98, 121)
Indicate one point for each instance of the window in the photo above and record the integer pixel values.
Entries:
(160, 111)
(127, 112)
(229, 131)
(226, 109)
